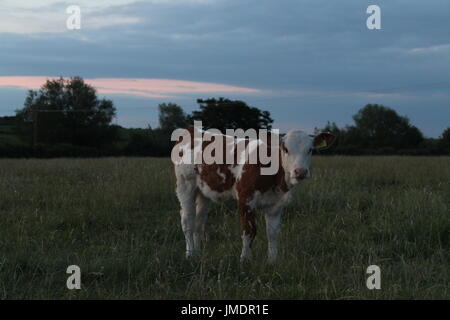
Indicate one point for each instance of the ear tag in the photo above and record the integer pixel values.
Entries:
(322, 144)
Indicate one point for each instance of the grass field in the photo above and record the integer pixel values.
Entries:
(118, 219)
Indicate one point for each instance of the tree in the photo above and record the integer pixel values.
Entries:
(171, 117)
(225, 114)
(444, 139)
(330, 127)
(377, 126)
(68, 111)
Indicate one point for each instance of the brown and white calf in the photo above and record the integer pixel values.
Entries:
(199, 184)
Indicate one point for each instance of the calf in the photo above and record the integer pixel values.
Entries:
(199, 184)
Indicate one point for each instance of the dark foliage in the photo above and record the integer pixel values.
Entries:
(171, 117)
(225, 114)
(67, 111)
(377, 130)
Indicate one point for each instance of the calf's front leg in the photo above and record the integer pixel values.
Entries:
(273, 218)
(272, 230)
(186, 192)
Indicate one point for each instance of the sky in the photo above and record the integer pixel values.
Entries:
(305, 61)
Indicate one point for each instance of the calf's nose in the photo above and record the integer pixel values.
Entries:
(300, 173)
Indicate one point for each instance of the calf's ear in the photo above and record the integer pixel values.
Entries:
(323, 140)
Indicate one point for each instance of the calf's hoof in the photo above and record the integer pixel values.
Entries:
(194, 254)
(246, 258)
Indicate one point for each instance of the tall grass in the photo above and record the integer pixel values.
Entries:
(118, 219)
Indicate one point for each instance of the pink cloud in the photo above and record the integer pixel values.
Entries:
(151, 88)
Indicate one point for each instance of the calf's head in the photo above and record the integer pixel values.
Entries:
(296, 150)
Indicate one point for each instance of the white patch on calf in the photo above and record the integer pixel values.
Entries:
(222, 175)
(299, 150)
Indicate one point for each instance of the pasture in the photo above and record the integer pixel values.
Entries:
(118, 220)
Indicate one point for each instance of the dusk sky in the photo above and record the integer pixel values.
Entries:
(305, 61)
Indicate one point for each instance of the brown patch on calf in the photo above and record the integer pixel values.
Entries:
(248, 221)
(209, 174)
(252, 180)
(249, 183)
(212, 174)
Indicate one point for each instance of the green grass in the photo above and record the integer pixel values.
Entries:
(118, 219)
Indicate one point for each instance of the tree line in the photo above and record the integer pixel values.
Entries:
(380, 130)
(65, 118)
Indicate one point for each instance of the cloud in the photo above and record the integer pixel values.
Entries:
(431, 49)
(39, 4)
(150, 88)
(49, 16)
